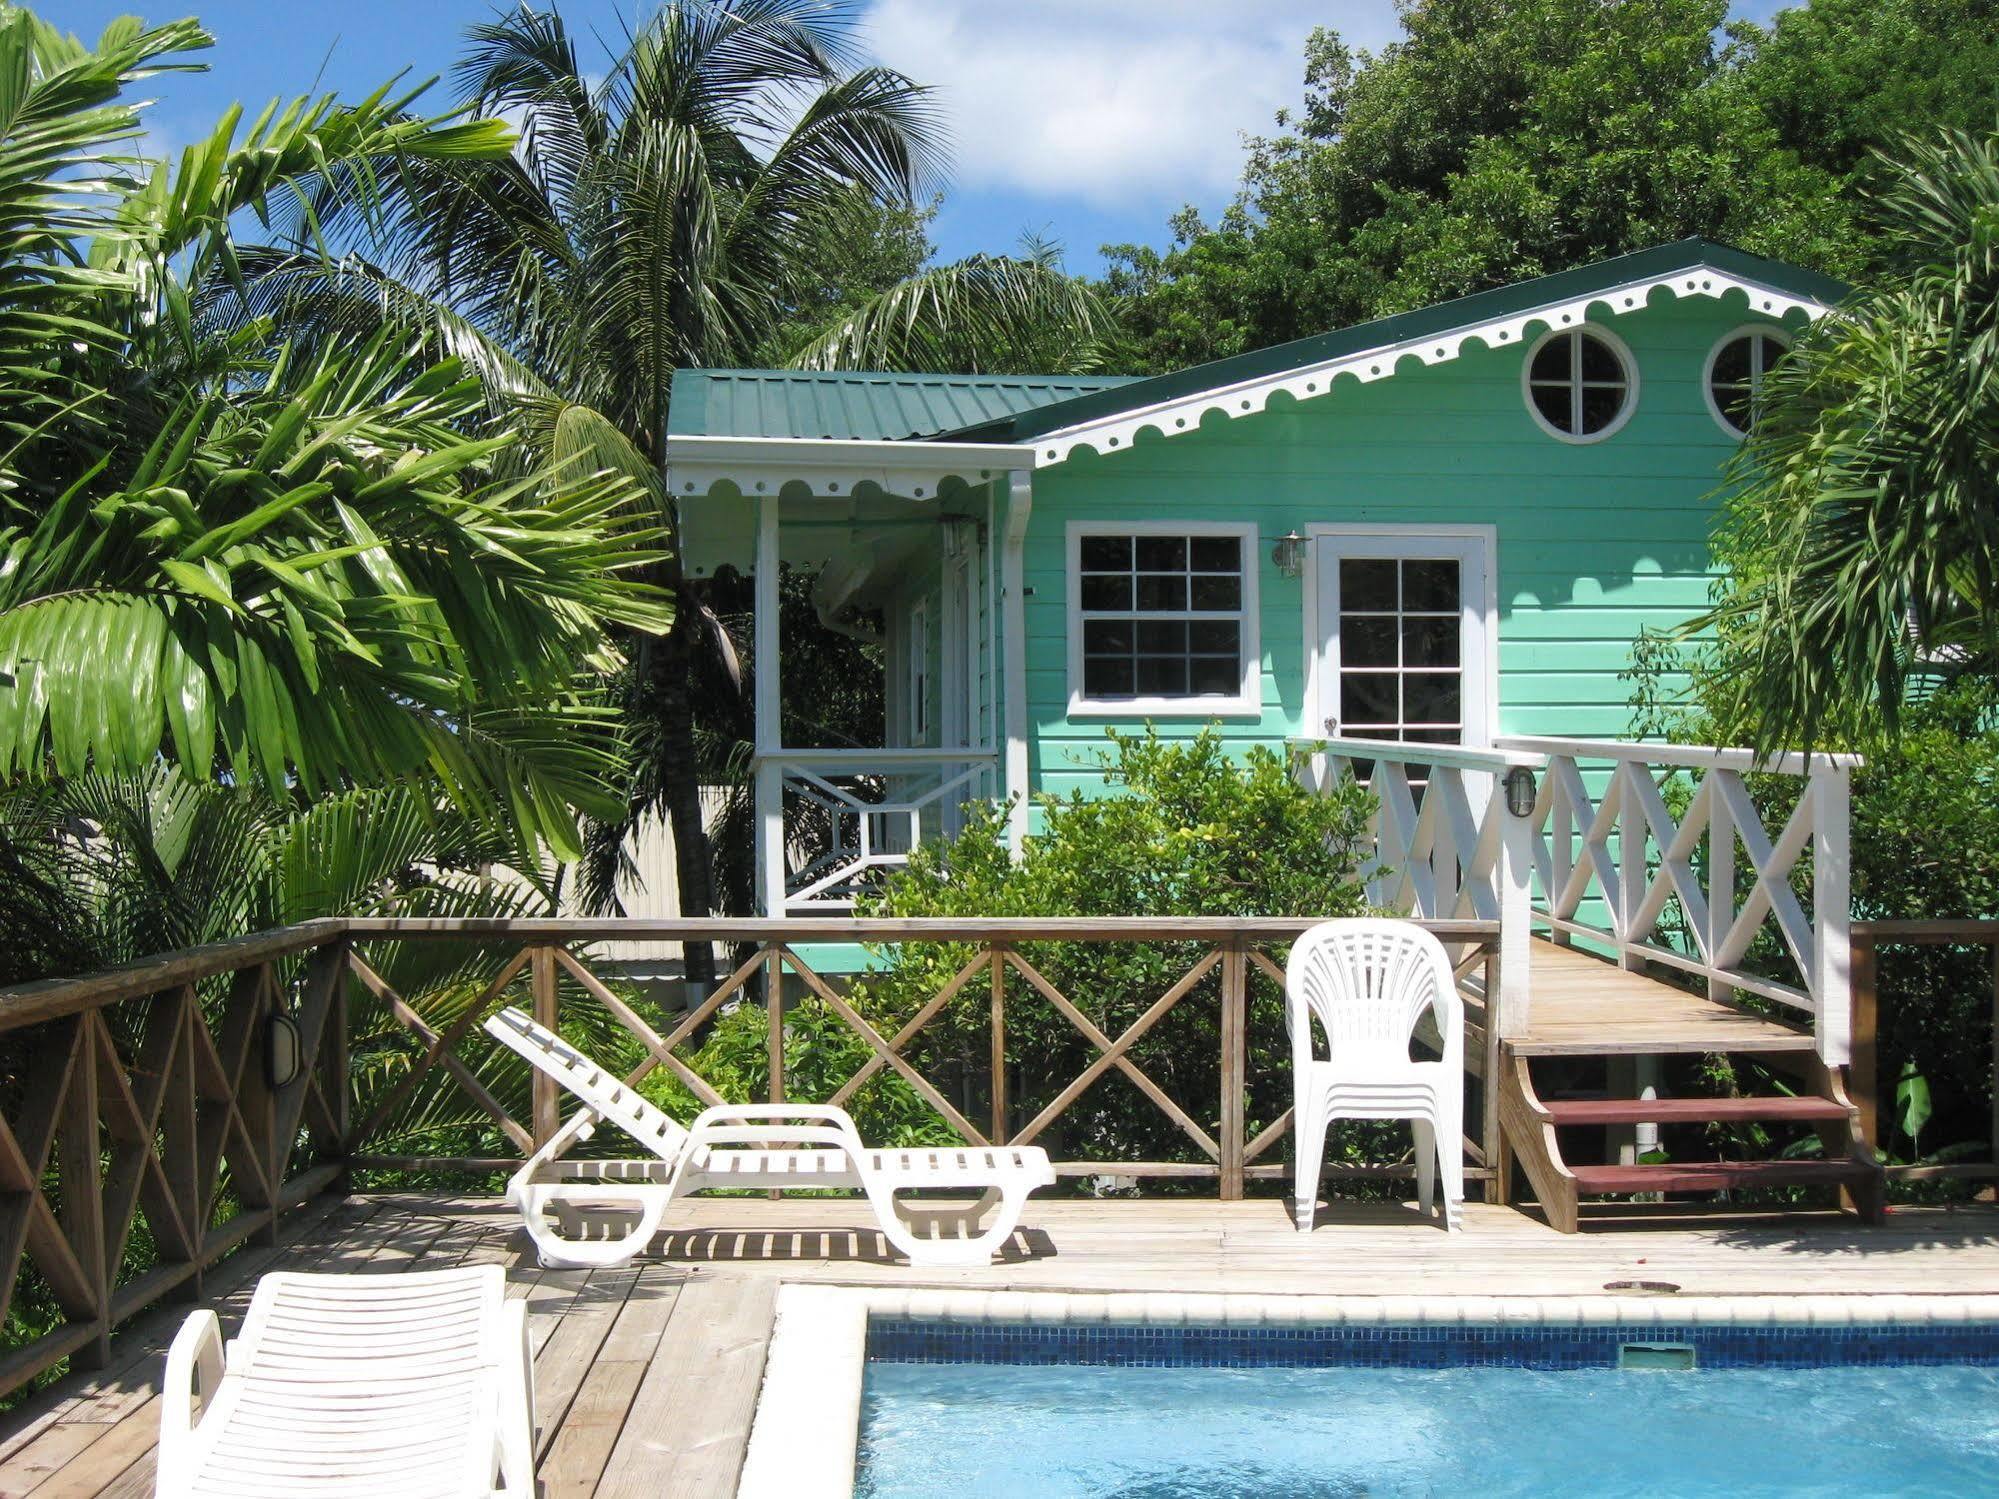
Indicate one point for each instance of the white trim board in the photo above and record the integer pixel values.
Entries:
(1183, 414)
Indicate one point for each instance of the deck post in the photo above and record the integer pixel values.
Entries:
(546, 1105)
(80, 1162)
(1863, 1074)
(1512, 1004)
(1720, 885)
(1234, 1043)
(1832, 881)
(769, 727)
(997, 978)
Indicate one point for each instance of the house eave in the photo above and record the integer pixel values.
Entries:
(1185, 412)
(835, 467)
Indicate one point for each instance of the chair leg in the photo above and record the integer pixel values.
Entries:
(1451, 1158)
(559, 1253)
(1426, 1162)
(1311, 1131)
(901, 1226)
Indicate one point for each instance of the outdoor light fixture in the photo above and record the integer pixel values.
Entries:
(1519, 785)
(284, 1050)
(1289, 554)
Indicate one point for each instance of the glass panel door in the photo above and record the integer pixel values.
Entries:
(1403, 642)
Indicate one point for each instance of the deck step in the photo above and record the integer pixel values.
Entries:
(1692, 1110)
(1715, 1176)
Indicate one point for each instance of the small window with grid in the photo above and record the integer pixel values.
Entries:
(1401, 647)
(1164, 618)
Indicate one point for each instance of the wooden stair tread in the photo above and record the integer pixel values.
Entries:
(1713, 1176)
(1691, 1110)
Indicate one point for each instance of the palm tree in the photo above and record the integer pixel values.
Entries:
(1864, 539)
(285, 563)
(676, 214)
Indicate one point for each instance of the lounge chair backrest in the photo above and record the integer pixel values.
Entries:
(599, 1091)
(1368, 980)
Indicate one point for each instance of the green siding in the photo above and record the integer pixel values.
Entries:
(1595, 542)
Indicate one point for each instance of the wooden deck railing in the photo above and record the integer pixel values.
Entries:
(1864, 1078)
(143, 1094)
(1601, 857)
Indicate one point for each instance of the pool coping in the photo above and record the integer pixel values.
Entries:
(807, 1426)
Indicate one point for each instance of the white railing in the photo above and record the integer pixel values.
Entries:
(831, 821)
(1601, 857)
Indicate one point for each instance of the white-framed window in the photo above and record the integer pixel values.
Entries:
(1580, 384)
(1162, 618)
(1733, 378)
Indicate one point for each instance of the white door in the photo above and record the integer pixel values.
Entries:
(1405, 644)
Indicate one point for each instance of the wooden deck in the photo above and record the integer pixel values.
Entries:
(1587, 1006)
(647, 1378)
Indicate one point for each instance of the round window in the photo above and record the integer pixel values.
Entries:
(1581, 384)
(1735, 370)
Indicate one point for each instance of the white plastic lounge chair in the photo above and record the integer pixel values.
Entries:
(1368, 982)
(743, 1145)
(369, 1386)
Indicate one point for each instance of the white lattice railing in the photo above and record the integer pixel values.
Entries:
(833, 820)
(1602, 857)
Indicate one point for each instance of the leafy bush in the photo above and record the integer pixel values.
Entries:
(1186, 831)
(1925, 845)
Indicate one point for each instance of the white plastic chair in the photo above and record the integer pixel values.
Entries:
(355, 1387)
(1368, 982)
(607, 1211)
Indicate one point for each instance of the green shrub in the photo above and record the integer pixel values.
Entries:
(1185, 830)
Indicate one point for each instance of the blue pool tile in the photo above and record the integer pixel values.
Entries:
(900, 1340)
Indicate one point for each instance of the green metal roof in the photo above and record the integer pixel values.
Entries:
(1479, 307)
(1015, 408)
(868, 406)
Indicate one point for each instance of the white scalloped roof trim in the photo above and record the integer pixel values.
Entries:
(1172, 418)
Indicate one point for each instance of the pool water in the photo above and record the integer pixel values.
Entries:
(1011, 1431)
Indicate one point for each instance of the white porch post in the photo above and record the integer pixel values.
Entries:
(1516, 916)
(1020, 505)
(770, 860)
(1832, 911)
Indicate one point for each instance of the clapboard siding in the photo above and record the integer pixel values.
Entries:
(1596, 543)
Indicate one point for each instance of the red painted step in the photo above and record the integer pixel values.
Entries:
(1714, 1176)
(1691, 1110)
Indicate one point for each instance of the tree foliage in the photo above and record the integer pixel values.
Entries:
(292, 566)
(1862, 539)
(1502, 139)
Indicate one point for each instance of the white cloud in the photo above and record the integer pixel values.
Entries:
(1112, 102)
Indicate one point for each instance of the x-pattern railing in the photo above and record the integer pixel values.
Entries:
(1616, 867)
(857, 812)
(143, 1093)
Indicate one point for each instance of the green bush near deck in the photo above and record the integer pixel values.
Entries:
(1188, 831)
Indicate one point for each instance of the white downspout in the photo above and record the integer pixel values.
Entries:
(1013, 621)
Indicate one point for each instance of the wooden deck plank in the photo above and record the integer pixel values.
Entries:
(574, 1462)
(1584, 1005)
(689, 1423)
(647, 1377)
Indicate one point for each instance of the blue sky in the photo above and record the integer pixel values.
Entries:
(1084, 121)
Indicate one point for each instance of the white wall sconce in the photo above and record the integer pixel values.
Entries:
(1289, 554)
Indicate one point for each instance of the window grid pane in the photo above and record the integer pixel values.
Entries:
(1162, 615)
(1401, 649)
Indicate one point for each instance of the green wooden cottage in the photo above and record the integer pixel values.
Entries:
(1430, 541)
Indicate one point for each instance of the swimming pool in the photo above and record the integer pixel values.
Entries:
(1318, 1412)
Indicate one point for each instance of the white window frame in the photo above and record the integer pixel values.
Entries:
(1626, 361)
(1772, 331)
(1246, 701)
(1473, 544)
